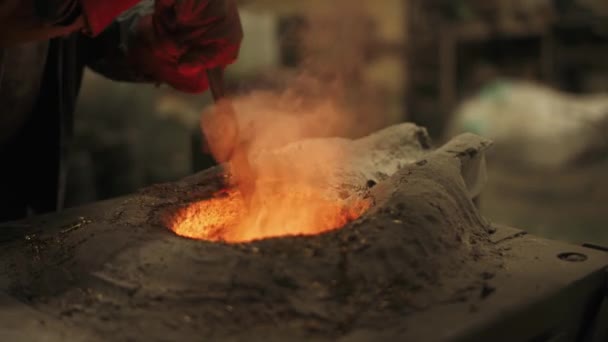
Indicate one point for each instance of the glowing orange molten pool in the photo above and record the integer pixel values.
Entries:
(226, 218)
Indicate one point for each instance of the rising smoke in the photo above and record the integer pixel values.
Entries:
(326, 93)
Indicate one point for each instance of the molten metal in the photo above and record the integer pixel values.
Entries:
(299, 212)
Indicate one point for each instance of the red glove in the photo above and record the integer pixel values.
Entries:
(184, 38)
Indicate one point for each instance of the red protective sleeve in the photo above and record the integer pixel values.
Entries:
(99, 14)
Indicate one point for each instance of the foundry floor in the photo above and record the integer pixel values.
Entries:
(107, 271)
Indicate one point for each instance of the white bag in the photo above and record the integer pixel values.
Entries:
(535, 125)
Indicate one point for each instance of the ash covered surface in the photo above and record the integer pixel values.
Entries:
(114, 271)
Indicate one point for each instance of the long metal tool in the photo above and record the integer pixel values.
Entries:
(238, 156)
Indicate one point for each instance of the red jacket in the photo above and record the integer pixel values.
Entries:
(170, 44)
(22, 21)
(32, 176)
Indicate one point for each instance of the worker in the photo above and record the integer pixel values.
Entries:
(44, 48)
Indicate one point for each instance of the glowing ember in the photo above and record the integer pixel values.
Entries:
(300, 212)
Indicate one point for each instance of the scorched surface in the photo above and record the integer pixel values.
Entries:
(113, 271)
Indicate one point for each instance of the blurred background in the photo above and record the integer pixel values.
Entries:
(532, 75)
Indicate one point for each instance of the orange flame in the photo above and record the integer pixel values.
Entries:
(294, 171)
(225, 216)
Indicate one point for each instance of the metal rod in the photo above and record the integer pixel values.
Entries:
(215, 77)
(239, 155)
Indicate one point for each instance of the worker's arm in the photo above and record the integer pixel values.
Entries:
(168, 41)
(35, 20)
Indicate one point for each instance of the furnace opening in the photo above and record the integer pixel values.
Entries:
(225, 217)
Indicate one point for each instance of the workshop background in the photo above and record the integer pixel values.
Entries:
(530, 74)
